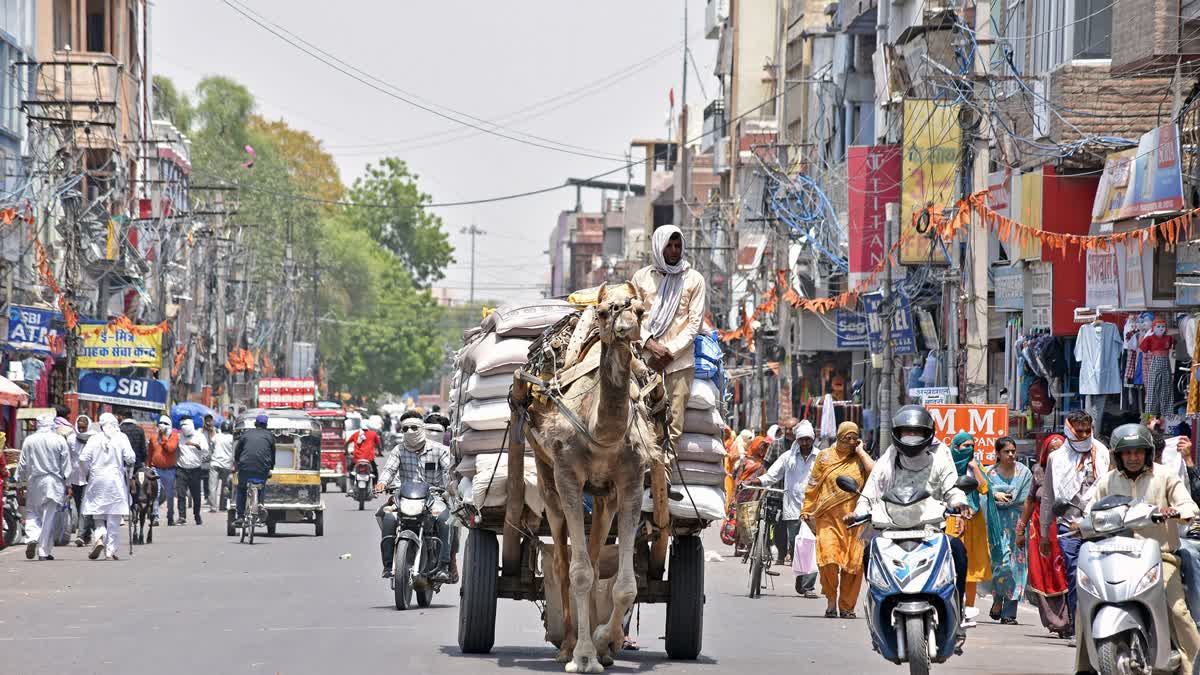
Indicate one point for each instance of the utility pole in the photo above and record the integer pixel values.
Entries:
(887, 377)
(473, 231)
(976, 380)
(685, 168)
(289, 297)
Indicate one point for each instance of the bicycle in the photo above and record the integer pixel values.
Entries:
(759, 556)
(250, 518)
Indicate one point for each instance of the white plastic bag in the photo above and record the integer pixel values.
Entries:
(804, 557)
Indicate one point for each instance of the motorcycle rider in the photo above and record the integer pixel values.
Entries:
(414, 459)
(915, 459)
(366, 443)
(1137, 476)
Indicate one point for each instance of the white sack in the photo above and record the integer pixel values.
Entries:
(497, 492)
(700, 448)
(698, 473)
(486, 415)
(709, 502)
(706, 422)
(466, 466)
(527, 320)
(489, 386)
(472, 442)
(495, 355)
(704, 395)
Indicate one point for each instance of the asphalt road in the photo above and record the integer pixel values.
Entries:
(198, 602)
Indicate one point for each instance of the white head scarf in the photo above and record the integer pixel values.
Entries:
(805, 430)
(109, 425)
(666, 302)
(45, 423)
(187, 428)
(84, 435)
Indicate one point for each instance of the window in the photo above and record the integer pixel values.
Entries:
(1093, 32)
(1065, 31)
(97, 26)
(63, 28)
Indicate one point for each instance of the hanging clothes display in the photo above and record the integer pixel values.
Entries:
(1193, 396)
(1160, 390)
(1098, 351)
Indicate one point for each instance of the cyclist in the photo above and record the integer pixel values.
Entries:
(253, 461)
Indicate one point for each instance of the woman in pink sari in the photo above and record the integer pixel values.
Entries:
(1047, 586)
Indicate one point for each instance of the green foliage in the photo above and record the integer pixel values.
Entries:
(413, 234)
(171, 104)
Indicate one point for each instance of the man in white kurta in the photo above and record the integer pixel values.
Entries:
(107, 498)
(45, 462)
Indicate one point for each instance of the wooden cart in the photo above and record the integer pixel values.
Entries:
(500, 561)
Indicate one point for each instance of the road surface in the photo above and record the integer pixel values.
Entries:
(198, 602)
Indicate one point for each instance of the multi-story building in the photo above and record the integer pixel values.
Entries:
(16, 46)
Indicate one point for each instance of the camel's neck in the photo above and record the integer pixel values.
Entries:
(612, 405)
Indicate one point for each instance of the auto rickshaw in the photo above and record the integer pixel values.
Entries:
(334, 463)
(293, 492)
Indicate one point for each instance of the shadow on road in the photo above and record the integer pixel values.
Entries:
(542, 660)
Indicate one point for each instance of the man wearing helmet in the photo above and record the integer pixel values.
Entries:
(1136, 475)
(915, 459)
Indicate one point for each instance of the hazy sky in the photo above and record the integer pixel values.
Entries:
(484, 59)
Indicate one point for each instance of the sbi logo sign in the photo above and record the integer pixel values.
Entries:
(123, 386)
(108, 385)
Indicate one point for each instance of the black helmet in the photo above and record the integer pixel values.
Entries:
(1128, 437)
(227, 426)
(915, 419)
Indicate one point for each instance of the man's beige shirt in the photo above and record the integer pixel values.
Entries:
(1158, 488)
(680, 336)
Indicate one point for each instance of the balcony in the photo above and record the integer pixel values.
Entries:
(85, 88)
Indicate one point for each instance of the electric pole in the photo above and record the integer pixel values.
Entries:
(473, 231)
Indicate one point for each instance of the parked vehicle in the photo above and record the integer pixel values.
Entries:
(333, 444)
(364, 483)
(13, 523)
(415, 563)
(913, 610)
(1123, 616)
(293, 492)
(759, 556)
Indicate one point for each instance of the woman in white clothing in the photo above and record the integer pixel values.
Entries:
(107, 497)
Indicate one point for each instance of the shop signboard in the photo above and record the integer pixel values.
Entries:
(1029, 210)
(851, 329)
(133, 392)
(31, 329)
(903, 339)
(107, 347)
(1040, 313)
(932, 152)
(1135, 277)
(1142, 182)
(987, 423)
(1009, 285)
(1103, 279)
(932, 395)
(874, 181)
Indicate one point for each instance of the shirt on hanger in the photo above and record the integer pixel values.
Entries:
(1098, 351)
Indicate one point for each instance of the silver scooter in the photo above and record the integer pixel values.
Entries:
(1123, 615)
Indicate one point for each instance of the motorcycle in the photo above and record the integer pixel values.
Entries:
(1123, 615)
(415, 563)
(913, 609)
(363, 478)
(13, 524)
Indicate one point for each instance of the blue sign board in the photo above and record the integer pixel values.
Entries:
(134, 392)
(851, 330)
(903, 340)
(31, 330)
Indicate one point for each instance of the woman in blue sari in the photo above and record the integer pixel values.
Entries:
(1008, 486)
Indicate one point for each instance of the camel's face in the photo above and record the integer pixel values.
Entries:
(620, 320)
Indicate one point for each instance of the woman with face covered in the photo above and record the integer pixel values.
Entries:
(105, 457)
(972, 527)
(839, 549)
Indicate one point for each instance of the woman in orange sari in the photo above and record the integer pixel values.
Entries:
(1047, 587)
(749, 467)
(839, 549)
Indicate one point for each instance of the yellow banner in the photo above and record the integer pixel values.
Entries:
(932, 152)
(1029, 212)
(104, 347)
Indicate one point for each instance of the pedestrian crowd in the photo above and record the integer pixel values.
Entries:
(1008, 532)
(90, 465)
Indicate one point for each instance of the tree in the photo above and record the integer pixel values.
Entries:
(171, 104)
(392, 212)
(309, 166)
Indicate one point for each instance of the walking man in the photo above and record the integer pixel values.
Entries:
(1071, 472)
(221, 466)
(164, 449)
(193, 451)
(78, 478)
(209, 431)
(795, 468)
(45, 462)
(106, 456)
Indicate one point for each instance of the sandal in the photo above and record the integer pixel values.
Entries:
(1008, 622)
(849, 615)
(995, 611)
(831, 614)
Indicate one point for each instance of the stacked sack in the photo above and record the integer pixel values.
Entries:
(699, 471)
(480, 416)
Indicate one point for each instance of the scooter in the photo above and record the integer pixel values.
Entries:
(363, 489)
(1123, 615)
(913, 607)
(14, 524)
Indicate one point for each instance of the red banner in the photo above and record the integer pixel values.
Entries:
(874, 180)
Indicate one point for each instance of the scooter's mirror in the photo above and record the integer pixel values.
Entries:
(1061, 508)
(967, 483)
(847, 484)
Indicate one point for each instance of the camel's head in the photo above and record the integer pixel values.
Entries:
(619, 314)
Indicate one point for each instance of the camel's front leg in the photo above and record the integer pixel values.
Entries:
(561, 561)
(610, 637)
(570, 490)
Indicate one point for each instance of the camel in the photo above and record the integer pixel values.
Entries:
(608, 459)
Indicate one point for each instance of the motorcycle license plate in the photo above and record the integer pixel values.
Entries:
(1118, 547)
(904, 534)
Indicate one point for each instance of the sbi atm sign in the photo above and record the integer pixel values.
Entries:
(133, 392)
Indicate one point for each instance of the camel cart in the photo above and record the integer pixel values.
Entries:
(504, 547)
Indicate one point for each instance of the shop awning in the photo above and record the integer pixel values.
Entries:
(11, 394)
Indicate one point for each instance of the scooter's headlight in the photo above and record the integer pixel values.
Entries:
(1085, 582)
(412, 507)
(876, 576)
(1150, 579)
(945, 576)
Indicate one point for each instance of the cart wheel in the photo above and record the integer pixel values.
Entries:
(320, 521)
(477, 608)
(685, 608)
(230, 530)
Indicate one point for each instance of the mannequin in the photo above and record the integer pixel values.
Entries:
(1156, 352)
(1098, 351)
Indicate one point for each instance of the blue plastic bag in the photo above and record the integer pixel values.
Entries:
(709, 357)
